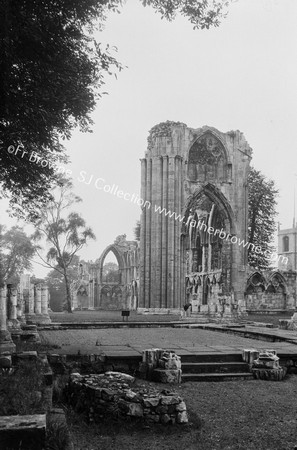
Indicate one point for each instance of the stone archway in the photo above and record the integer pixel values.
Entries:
(122, 293)
(207, 255)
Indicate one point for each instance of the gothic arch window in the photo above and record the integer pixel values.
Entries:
(207, 159)
(203, 250)
(285, 243)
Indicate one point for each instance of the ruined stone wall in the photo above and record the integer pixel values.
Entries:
(113, 394)
(271, 290)
(181, 176)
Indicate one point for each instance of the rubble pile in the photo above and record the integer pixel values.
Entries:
(112, 395)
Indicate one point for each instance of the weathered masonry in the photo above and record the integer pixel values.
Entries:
(194, 188)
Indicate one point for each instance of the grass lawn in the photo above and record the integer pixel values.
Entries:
(235, 415)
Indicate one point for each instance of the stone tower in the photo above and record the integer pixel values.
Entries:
(193, 184)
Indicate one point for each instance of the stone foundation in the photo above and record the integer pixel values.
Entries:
(112, 395)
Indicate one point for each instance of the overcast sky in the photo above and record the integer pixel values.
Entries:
(241, 75)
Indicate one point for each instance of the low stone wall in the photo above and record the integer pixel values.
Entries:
(112, 394)
(92, 363)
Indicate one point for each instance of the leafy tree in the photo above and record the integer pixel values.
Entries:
(66, 236)
(202, 14)
(57, 287)
(261, 217)
(16, 252)
(51, 75)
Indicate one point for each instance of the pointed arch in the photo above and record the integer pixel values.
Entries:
(216, 197)
(208, 157)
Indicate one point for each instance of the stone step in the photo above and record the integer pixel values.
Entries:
(215, 367)
(211, 357)
(216, 376)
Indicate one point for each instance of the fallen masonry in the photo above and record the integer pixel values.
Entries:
(114, 394)
(264, 365)
(160, 365)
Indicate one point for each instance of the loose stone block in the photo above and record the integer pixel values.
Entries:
(167, 376)
(170, 400)
(26, 432)
(181, 407)
(135, 409)
(154, 401)
(165, 418)
(182, 417)
(249, 355)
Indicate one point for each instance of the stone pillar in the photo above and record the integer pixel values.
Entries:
(171, 233)
(6, 344)
(164, 218)
(37, 304)
(12, 298)
(44, 304)
(144, 212)
(146, 302)
(156, 233)
(74, 300)
(20, 305)
(29, 304)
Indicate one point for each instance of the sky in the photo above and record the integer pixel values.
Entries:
(241, 75)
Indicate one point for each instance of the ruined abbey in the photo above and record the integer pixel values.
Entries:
(193, 231)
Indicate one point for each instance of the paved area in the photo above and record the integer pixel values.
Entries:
(131, 341)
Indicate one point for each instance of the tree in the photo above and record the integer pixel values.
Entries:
(202, 14)
(51, 75)
(65, 235)
(57, 287)
(16, 252)
(261, 217)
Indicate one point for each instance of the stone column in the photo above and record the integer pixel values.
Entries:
(171, 234)
(44, 304)
(12, 321)
(29, 304)
(144, 212)
(164, 218)
(37, 304)
(6, 344)
(146, 302)
(74, 300)
(20, 305)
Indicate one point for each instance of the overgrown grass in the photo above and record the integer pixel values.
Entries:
(21, 391)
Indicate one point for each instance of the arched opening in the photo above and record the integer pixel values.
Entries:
(110, 271)
(207, 255)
